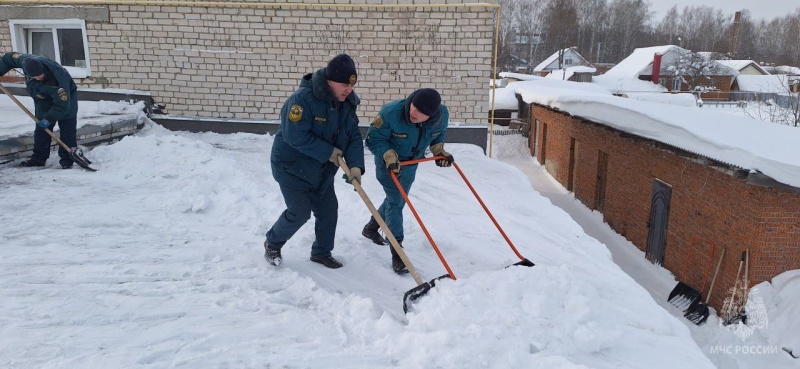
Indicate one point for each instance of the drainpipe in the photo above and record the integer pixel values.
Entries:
(656, 68)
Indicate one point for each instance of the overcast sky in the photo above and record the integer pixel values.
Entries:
(767, 9)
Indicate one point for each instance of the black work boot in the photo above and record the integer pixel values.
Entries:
(371, 231)
(327, 261)
(397, 263)
(66, 163)
(31, 163)
(273, 256)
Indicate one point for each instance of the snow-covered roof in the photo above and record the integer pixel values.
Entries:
(747, 143)
(569, 72)
(740, 64)
(517, 76)
(783, 69)
(550, 59)
(620, 84)
(504, 98)
(776, 83)
(640, 59)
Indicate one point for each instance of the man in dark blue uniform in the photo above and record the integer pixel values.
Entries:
(318, 125)
(55, 97)
(402, 131)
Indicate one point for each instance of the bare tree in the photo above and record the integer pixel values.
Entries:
(628, 19)
(590, 19)
(562, 26)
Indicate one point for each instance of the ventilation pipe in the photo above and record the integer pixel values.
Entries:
(656, 68)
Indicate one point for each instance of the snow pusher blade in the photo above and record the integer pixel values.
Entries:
(687, 298)
(697, 312)
(419, 291)
(422, 287)
(74, 152)
(523, 261)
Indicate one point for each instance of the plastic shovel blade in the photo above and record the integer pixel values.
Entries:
(697, 312)
(417, 292)
(683, 296)
(77, 156)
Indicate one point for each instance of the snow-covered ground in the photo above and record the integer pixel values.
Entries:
(156, 260)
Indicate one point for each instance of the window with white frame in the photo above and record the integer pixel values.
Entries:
(62, 40)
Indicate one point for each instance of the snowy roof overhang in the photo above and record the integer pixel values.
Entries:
(754, 145)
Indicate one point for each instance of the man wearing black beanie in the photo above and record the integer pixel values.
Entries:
(55, 98)
(318, 127)
(403, 130)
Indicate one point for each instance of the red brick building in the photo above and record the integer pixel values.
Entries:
(660, 198)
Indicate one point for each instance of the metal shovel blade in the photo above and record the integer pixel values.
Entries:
(524, 262)
(419, 291)
(76, 153)
(697, 312)
(683, 296)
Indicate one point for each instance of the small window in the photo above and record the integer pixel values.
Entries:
(62, 40)
(567, 61)
(676, 84)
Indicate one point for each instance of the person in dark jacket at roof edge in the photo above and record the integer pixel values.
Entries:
(318, 125)
(55, 98)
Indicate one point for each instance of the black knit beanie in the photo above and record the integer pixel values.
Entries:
(427, 101)
(341, 69)
(32, 67)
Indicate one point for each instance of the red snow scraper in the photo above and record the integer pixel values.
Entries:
(523, 261)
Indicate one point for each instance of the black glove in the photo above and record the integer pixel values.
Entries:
(438, 150)
(446, 162)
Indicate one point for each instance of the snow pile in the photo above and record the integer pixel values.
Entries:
(680, 99)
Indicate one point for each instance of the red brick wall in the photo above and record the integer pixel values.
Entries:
(709, 204)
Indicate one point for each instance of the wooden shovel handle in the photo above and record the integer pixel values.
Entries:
(392, 241)
(49, 132)
(714, 278)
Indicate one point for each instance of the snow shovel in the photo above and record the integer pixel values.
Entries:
(74, 152)
(684, 296)
(422, 287)
(523, 261)
(698, 311)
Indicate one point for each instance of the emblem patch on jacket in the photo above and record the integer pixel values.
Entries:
(400, 135)
(295, 113)
(377, 122)
(15, 55)
(320, 119)
(62, 94)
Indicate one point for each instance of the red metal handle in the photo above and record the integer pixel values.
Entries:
(464, 177)
(422, 225)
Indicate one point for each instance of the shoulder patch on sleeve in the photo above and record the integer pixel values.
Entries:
(15, 55)
(62, 94)
(295, 113)
(377, 122)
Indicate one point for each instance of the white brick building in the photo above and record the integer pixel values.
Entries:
(243, 60)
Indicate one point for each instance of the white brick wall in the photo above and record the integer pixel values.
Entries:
(243, 62)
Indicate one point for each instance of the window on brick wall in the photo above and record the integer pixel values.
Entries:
(62, 40)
